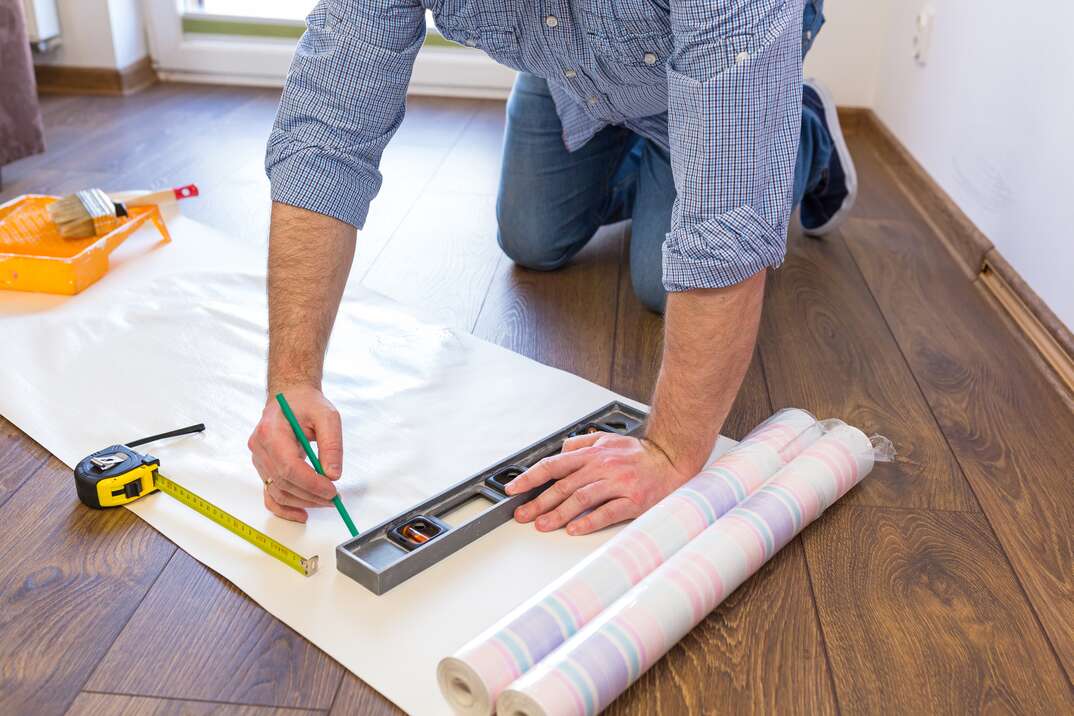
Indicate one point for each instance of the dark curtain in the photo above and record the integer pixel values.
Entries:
(21, 131)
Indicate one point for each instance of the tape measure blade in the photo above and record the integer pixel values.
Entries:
(305, 565)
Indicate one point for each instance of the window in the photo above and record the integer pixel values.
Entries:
(251, 42)
(274, 9)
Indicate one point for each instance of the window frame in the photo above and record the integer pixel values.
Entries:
(189, 46)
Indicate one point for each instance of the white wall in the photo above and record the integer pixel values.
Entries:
(847, 53)
(98, 33)
(128, 31)
(991, 118)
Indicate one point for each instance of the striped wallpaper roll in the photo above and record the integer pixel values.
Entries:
(473, 678)
(598, 663)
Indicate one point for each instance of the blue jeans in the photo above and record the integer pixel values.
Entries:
(551, 201)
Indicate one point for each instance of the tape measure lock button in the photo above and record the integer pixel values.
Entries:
(115, 476)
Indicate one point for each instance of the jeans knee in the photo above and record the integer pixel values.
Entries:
(528, 248)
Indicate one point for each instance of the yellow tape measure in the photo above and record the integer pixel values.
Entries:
(118, 475)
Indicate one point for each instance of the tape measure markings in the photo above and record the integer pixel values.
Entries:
(304, 565)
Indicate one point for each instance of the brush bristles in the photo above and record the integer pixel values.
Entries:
(86, 213)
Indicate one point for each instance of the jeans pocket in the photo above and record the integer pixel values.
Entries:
(812, 21)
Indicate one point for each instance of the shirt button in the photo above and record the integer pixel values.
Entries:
(649, 58)
(592, 99)
(471, 42)
(742, 57)
(569, 73)
(551, 21)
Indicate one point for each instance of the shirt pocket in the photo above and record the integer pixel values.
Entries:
(633, 36)
(499, 43)
(483, 26)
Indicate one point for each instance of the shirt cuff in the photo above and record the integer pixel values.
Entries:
(313, 179)
(721, 251)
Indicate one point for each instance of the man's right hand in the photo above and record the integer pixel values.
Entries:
(291, 485)
(309, 258)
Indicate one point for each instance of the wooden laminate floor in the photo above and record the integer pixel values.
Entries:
(943, 584)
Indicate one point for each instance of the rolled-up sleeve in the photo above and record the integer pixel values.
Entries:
(734, 115)
(343, 100)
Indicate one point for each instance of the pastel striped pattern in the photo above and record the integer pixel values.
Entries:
(598, 663)
(474, 676)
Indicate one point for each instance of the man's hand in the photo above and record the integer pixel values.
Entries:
(291, 485)
(708, 341)
(309, 258)
(612, 477)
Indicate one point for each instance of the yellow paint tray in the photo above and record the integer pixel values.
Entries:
(34, 257)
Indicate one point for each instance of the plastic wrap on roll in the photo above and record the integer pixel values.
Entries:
(599, 662)
(474, 676)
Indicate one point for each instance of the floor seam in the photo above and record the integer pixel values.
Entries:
(820, 625)
(909, 369)
(204, 701)
(33, 473)
(141, 600)
(618, 309)
(417, 196)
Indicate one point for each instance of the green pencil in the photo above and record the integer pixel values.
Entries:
(313, 458)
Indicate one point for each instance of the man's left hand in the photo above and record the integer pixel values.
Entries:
(608, 477)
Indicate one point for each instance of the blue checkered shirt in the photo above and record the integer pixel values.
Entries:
(717, 83)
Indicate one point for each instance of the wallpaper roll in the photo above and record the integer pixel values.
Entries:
(474, 676)
(598, 663)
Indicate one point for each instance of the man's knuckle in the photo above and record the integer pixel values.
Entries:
(610, 460)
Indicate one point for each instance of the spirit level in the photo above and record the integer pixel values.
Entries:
(398, 548)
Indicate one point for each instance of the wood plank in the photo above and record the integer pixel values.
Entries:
(759, 652)
(442, 258)
(878, 196)
(967, 244)
(827, 349)
(70, 579)
(195, 636)
(148, 139)
(357, 697)
(563, 318)
(407, 171)
(435, 121)
(921, 614)
(1005, 421)
(473, 166)
(20, 457)
(639, 343)
(95, 704)
(100, 126)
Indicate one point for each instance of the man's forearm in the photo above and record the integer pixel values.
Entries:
(310, 258)
(709, 338)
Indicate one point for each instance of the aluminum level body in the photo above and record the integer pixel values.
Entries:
(400, 547)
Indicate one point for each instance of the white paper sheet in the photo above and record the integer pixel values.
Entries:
(175, 335)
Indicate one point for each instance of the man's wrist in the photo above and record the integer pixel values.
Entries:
(685, 462)
(284, 380)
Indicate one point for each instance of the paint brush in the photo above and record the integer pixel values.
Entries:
(297, 429)
(91, 212)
